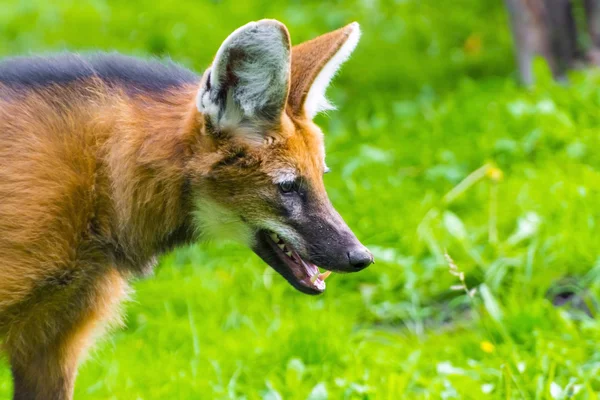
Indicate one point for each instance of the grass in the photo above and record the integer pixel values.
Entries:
(435, 149)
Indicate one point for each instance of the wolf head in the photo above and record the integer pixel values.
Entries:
(264, 184)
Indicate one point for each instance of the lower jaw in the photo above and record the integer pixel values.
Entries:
(301, 287)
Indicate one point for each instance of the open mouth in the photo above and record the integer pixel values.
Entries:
(282, 257)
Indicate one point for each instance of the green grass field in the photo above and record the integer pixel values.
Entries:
(435, 148)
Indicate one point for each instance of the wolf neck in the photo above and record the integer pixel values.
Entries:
(147, 158)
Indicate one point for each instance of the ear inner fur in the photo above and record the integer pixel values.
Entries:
(249, 78)
(310, 58)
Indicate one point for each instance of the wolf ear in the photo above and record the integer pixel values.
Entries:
(249, 78)
(314, 63)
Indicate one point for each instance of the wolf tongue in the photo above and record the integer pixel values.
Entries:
(317, 274)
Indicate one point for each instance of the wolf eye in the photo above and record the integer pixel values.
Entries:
(287, 186)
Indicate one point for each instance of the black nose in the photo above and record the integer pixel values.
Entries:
(360, 258)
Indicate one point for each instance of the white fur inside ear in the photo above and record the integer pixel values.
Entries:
(203, 101)
(316, 101)
(249, 76)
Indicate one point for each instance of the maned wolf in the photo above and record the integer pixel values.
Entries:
(107, 161)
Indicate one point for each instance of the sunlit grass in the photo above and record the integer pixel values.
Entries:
(427, 104)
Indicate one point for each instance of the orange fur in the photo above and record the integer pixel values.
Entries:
(92, 192)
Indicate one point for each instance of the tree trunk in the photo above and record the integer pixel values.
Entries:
(592, 14)
(545, 28)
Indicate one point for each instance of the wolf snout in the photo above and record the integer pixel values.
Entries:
(360, 258)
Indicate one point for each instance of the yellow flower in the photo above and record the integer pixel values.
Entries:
(473, 44)
(495, 174)
(487, 346)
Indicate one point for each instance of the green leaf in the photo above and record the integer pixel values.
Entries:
(455, 226)
(490, 303)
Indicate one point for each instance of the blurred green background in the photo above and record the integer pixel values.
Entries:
(435, 148)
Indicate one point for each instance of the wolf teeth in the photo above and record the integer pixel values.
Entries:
(274, 237)
(324, 275)
(289, 254)
(320, 276)
(281, 246)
